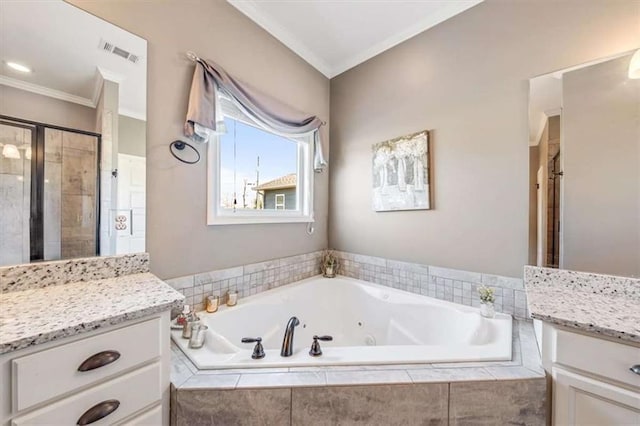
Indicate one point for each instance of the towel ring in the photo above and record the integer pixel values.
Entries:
(178, 145)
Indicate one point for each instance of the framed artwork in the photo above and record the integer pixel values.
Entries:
(401, 173)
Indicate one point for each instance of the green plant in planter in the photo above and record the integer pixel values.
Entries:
(329, 263)
(486, 294)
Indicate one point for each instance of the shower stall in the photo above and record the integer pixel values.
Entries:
(49, 192)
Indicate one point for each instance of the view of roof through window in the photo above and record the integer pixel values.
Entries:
(258, 169)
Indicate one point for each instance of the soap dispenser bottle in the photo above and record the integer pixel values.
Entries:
(183, 316)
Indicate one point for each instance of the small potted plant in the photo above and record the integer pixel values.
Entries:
(329, 264)
(487, 297)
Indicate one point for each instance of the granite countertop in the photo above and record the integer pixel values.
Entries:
(592, 303)
(35, 316)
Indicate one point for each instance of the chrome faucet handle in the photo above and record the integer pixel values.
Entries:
(258, 350)
(315, 346)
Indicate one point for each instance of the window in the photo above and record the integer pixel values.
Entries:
(258, 176)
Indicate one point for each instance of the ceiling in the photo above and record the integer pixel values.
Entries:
(60, 43)
(545, 100)
(334, 36)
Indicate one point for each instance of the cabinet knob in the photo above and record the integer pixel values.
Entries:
(99, 360)
(635, 368)
(98, 411)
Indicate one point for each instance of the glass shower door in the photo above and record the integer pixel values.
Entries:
(16, 141)
(70, 194)
(49, 193)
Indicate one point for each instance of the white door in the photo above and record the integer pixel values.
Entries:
(130, 217)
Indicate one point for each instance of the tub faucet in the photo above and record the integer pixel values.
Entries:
(287, 342)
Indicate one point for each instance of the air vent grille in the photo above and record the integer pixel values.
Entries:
(118, 51)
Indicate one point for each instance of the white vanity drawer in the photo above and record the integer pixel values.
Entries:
(151, 417)
(55, 372)
(598, 356)
(129, 393)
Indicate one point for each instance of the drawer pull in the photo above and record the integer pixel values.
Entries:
(635, 368)
(98, 411)
(99, 360)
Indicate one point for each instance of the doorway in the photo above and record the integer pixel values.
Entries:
(553, 221)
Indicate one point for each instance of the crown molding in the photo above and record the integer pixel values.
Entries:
(45, 91)
(98, 82)
(110, 75)
(446, 12)
(67, 97)
(248, 8)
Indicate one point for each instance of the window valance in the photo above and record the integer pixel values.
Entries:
(211, 86)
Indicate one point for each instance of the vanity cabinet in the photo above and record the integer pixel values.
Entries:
(592, 379)
(115, 375)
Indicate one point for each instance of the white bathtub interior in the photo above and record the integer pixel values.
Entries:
(370, 324)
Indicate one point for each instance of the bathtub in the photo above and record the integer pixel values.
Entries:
(370, 324)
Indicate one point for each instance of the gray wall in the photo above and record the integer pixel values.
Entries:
(178, 239)
(132, 136)
(601, 150)
(43, 109)
(467, 80)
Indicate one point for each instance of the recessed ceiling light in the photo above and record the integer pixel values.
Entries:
(18, 67)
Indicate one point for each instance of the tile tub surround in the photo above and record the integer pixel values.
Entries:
(445, 393)
(44, 274)
(603, 305)
(441, 283)
(40, 315)
(247, 280)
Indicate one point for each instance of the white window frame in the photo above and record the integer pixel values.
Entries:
(282, 204)
(218, 215)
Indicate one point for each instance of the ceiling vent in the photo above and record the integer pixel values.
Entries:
(112, 48)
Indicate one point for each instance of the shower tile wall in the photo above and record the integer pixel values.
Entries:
(70, 194)
(52, 193)
(441, 283)
(15, 196)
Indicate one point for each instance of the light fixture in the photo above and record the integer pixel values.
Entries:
(18, 67)
(11, 151)
(634, 65)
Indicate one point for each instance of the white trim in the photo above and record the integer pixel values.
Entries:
(45, 91)
(216, 215)
(67, 97)
(447, 12)
(97, 87)
(559, 73)
(248, 8)
(280, 204)
(110, 75)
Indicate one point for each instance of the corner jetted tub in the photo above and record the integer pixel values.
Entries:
(370, 324)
